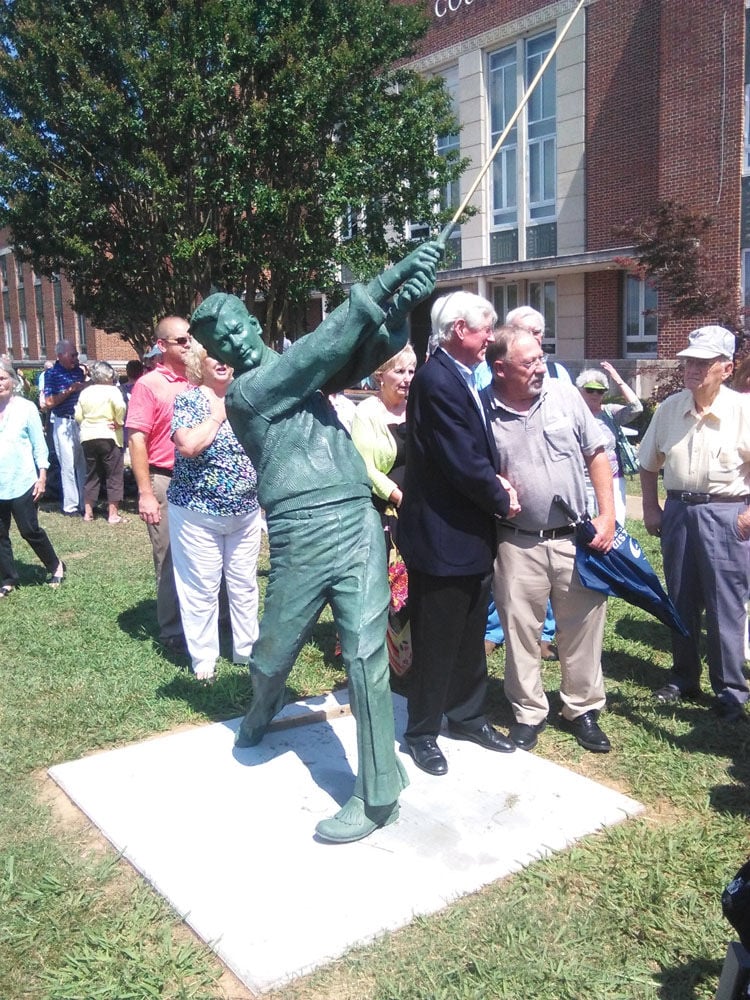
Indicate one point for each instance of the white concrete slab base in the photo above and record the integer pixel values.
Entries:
(227, 836)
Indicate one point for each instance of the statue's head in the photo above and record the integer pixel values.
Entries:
(222, 324)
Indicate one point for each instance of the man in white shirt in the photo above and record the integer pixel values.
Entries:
(701, 438)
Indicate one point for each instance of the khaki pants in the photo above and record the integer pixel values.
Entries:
(167, 606)
(528, 571)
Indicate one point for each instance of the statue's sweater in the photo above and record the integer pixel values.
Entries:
(303, 456)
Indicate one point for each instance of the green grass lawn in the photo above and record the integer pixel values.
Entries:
(633, 912)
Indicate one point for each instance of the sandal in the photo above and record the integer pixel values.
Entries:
(57, 578)
(117, 520)
(6, 590)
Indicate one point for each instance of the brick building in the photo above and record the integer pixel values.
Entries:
(36, 312)
(644, 101)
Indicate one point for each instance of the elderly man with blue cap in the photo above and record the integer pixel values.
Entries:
(701, 438)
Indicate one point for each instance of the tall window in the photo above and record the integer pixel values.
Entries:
(639, 321)
(450, 196)
(746, 159)
(81, 324)
(542, 125)
(503, 88)
(504, 298)
(6, 301)
(57, 299)
(39, 304)
(23, 325)
(543, 298)
(524, 178)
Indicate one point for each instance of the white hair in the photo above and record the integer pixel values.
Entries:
(526, 317)
(592, 375)
(459, 305)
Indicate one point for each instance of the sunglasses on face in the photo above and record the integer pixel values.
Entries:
(598, 392)
(178, 340)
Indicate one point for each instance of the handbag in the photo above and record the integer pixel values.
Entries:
(398, 630)
(627, 456)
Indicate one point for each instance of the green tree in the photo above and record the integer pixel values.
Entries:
(157, 150)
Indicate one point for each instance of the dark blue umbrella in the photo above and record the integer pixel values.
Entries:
(623, 572)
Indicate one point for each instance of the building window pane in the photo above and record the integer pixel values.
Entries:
(542, 129)
(450, 196)
(6, 318)
(81, 322)
(39, 304)
(543, 298)
(504, 298)
(640, 321)
(503, 101)
(57, 298)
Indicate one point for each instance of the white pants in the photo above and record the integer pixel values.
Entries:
(67, 438)
(204, 546)
(619, 486)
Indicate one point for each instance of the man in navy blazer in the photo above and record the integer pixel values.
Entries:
(453, 497)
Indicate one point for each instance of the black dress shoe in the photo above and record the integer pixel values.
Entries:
(526, 736)
(485, 736)
(427, 755)
(588, 734)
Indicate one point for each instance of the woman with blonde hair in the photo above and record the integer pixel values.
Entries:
(100, 414)
(214, 518)
(378, 429)
(378, 432)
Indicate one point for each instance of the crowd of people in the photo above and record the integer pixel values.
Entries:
(457, 463)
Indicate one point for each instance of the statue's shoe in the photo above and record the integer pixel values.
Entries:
(249, 736)
(355, 820)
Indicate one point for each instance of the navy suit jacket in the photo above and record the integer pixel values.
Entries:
(452, 498)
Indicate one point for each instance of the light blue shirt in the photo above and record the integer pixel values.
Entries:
(469, 377)
(23, 450)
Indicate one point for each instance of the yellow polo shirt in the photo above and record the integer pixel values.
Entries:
(706, 453)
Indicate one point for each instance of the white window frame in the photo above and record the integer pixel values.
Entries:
(542, 296)
(504, 298)
(41, 325)
(647, 300)
(528, 156)
(81, 330)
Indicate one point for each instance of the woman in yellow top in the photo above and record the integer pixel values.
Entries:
(378, 431)
(100, 412)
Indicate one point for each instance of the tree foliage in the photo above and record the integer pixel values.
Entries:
(157, 150)
(669, 250)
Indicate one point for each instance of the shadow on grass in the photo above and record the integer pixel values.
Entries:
(681, 982)
(231, 693)
(30, 574)
(649, 632)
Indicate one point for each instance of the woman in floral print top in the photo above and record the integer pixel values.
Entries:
(214, 518)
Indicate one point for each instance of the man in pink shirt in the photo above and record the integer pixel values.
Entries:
(149, 425)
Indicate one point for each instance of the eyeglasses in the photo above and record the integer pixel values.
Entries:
(536, 363)
(598, 392)
(702, 363)
(178, 340)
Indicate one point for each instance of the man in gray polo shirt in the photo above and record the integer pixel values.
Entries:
(545, 434)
